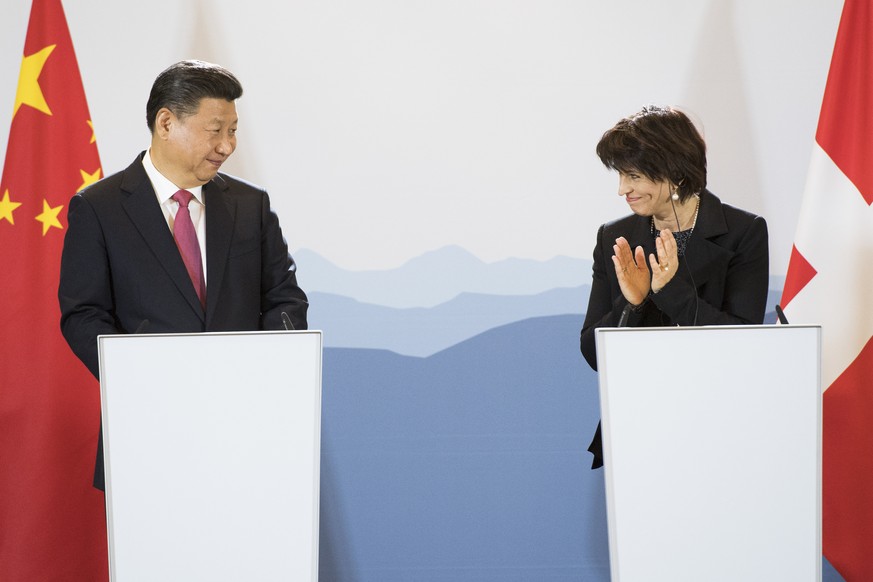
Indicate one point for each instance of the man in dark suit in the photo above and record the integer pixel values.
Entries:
(169, 244)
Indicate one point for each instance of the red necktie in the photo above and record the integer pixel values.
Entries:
(186, 240)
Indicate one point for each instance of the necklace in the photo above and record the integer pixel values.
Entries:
(683, 235)
(693, 221)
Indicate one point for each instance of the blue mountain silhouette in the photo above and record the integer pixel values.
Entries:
(438, 276)
(423, 331)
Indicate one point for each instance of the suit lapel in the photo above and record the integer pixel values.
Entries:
(141, 206)
(704, 256)
(220, 215)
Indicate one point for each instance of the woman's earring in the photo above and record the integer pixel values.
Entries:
(675, 195)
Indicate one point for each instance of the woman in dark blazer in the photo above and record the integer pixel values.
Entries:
(683, 257)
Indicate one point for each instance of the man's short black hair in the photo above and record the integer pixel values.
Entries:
(182, 86)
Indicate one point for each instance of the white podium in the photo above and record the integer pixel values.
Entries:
(712, 452)
(212, 455)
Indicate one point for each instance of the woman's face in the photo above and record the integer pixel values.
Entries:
(645, 197)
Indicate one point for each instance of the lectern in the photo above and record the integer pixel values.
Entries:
(712, 452)
(212, 454)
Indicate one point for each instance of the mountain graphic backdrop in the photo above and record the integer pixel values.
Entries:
(456, 414)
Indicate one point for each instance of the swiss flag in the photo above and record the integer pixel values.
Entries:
(830, 281)
(52, 521)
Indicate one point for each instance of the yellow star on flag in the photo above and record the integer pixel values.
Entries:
(6, 208)
(88, 179)
(93, 135)
(49, 217)
(29, 91)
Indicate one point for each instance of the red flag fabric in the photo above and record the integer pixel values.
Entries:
(830, 281)
(52, 521)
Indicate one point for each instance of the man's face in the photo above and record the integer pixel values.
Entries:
(195, 147)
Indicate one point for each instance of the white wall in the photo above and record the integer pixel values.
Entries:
(387, 128)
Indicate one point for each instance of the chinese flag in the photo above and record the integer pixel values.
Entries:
(52, 521)
(830, 281)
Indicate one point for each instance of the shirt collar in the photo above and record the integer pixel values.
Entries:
(164, 188)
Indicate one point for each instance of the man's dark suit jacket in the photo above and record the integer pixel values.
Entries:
(120, 265)
(727, 258)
